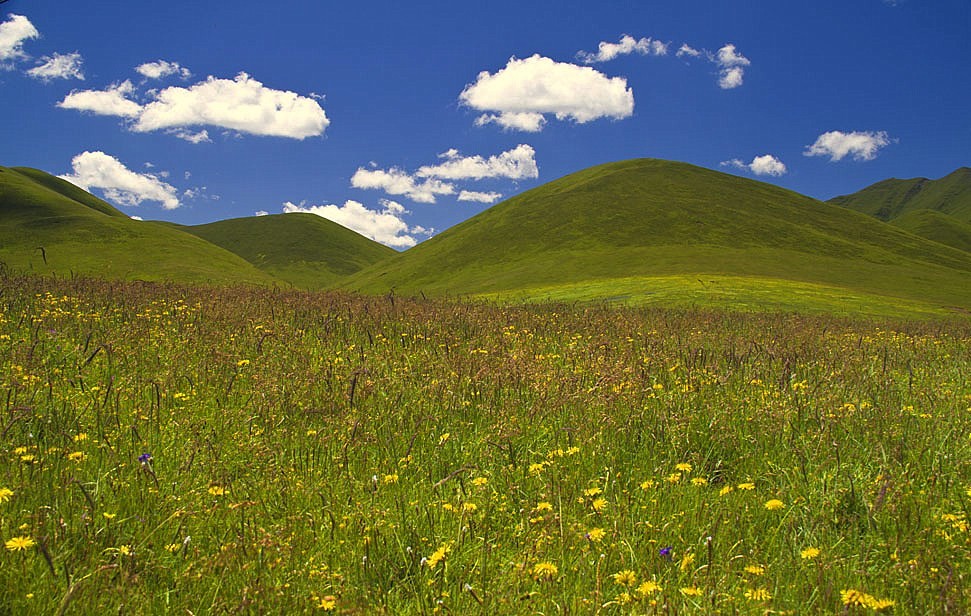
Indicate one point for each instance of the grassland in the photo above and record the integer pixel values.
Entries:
(171, 449)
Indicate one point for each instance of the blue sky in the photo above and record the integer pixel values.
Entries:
(400, 120)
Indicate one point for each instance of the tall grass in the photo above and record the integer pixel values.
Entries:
(171, 449)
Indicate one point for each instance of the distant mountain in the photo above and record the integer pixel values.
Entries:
(305, 250)
(938, 210)
(639, 220)
(50, 226)
(893, 198)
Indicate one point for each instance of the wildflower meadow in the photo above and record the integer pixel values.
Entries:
(190, 450)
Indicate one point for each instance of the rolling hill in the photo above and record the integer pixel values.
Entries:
(622, 228)
(50, 226)
(939, 210)
(306, 250)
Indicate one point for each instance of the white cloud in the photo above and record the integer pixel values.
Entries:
(119, 183)
(525, 90)
(13, 33)
(136, 218)
(241, 104)
(386, 225)
(112, 101)
(396, 181)
(837, 145)
(201, 136)
(479, 197)
(58, 66)
(515, 164)
(687, 50)
(627, 45)
(261, 213)
(766, 164)
(732, 65)
(162, 68)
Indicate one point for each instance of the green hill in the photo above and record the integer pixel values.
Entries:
(50, 226)
(936, 226)
(893, 198)
(305, 250)
(620, 228)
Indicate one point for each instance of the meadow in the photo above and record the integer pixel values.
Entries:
(191, 450)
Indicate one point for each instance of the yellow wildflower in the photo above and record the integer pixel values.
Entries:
(746, 486)
(5, 494)
(758, 594)
(599, 504)
(755, 569)
(625, 577)
(647, 485)
(648, 588)
(479, 482)
(76, 456)
(109, 516)
(392, 478)
(726, 490)
(595, 490)
(683, 467)
(436, 556)
(595, 534)
(545, 571)
(699, 481)
(327, 603)
(809, 553)
(690, 591)
(18, 544)
(217, 490)
(774, 504)
(687, 560)
(544, 506)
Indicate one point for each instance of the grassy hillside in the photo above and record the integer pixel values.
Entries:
(49, 226)
(650, 218)
(936, 226)
(305, 250)
(893, 198)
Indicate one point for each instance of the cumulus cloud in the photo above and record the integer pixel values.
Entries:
(479, 197)
(645, 46)
(119, 183)
(112, 101)
(837, 145)
(396, 181)
(242, 104)
(732, 67)
(261, 213)
(766, 164)
(522, 93)
(688, 50)
(386, 225)
(13, 33)
(515, 164)
(162, 68)
(58, 66)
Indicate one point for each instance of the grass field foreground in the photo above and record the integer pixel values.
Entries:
(171, 449)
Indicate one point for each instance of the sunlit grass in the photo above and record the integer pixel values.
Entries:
(169, 449)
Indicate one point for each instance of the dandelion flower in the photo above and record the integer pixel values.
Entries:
(647, 485)
(545, 571)
(690, 591)
(687, 560)
(726, 490)
(469, 507)
(479, 482)
(391, 478)
(683, 467)
(544, 506)
(443, 438)
(76, 456)
(758, 594)
(5, 494)
(599, 504)
(699, 481)
(774, 504)
(673, 478)
(648, 588)
(809, 553)
(625, 577)
(327, 603)
(595, 534)
(436, 556)
(109, 516)
(755, 569)
(217, 490)
(19, 544)
(595, 490)
(746, 486)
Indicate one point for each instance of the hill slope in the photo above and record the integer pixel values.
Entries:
(305, 250)
(650, 218)
(50, 226)
(892, 198)
(939, 210)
